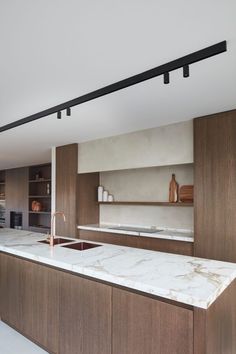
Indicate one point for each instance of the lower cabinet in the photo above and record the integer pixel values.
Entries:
(85, 316)
(68, 314)
(30, 300)
(149, 243)
(62, 312)
(142, 325)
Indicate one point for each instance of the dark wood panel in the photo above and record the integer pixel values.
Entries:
(215, 181)
(171, 246)
(215, 329)
(30, 300)
(10, 280)
(88, 208)
(85, 316)
(17, 194)
(40, 304)
(66, 188)
(143, 325)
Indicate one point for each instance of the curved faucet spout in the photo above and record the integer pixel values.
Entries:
(53, 219)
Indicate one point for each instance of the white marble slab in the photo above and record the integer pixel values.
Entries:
(189, 280)
(166, 234)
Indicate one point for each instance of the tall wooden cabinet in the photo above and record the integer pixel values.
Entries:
(66, 188)
(16, 190)
(215, 186)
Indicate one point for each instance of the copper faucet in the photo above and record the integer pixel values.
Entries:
(53, 218)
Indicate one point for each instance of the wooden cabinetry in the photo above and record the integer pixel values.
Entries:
(10, 285)
(144, 325)
(30, 300)
(40, 191)
(150, 243)
(2, 198)
(16, 189)
(87, 205)
(85, 316)
(215, 186)
(67, 314)
(66, 188)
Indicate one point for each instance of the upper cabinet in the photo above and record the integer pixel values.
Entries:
(215, 186)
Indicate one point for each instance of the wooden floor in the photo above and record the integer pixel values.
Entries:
(11, 342)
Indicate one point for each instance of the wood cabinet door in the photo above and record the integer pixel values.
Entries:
(10, 296)
(142, 325)
(85, 316)
(215, 186)
(30, 300)
(40, 304)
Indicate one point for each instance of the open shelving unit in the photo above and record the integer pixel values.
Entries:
(40, 191)
(2, 198)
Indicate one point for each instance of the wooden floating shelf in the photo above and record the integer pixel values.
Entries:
(39, 180)
(39, 212)
(179, 204)
(39, 227)
(39, 196)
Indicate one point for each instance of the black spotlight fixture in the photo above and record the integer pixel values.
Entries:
(186, 71)
(166, 78)
(59, 115)
(68, 111)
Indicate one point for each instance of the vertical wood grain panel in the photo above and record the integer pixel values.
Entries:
(143, 325)
(66, 188)
(17, 194)
(215, 186)
(85, 316)
(215, 328)
(88, 208)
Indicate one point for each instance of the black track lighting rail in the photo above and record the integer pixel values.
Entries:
(164, 69)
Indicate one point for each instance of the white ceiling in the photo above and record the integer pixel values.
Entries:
(53, 51)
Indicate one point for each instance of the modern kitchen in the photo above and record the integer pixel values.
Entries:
(118, 189)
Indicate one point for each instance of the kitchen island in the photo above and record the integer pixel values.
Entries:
(115, 299)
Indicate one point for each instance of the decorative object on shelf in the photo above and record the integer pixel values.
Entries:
(173, 190)
(186, 194)
(38, 175)
(36, 206)
(105, 196)
(48, 189)
(100, 193)
(110, 198)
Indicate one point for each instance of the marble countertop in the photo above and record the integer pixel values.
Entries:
(166, 234)
(188, 280)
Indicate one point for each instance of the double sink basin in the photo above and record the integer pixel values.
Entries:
(79, 246)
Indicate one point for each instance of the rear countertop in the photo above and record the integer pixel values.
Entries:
(165, 233)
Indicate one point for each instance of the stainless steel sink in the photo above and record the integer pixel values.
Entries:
(57, 241)
(82, 246)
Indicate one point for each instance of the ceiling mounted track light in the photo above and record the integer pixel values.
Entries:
(59, 115)
(68, 111)
(164, 69)
(186, 71)
(166, 78)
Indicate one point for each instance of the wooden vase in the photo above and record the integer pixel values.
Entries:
(173, 190)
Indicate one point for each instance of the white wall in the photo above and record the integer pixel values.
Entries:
(166, 145)
(146, 184)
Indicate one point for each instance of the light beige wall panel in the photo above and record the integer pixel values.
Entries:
(166, 145)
